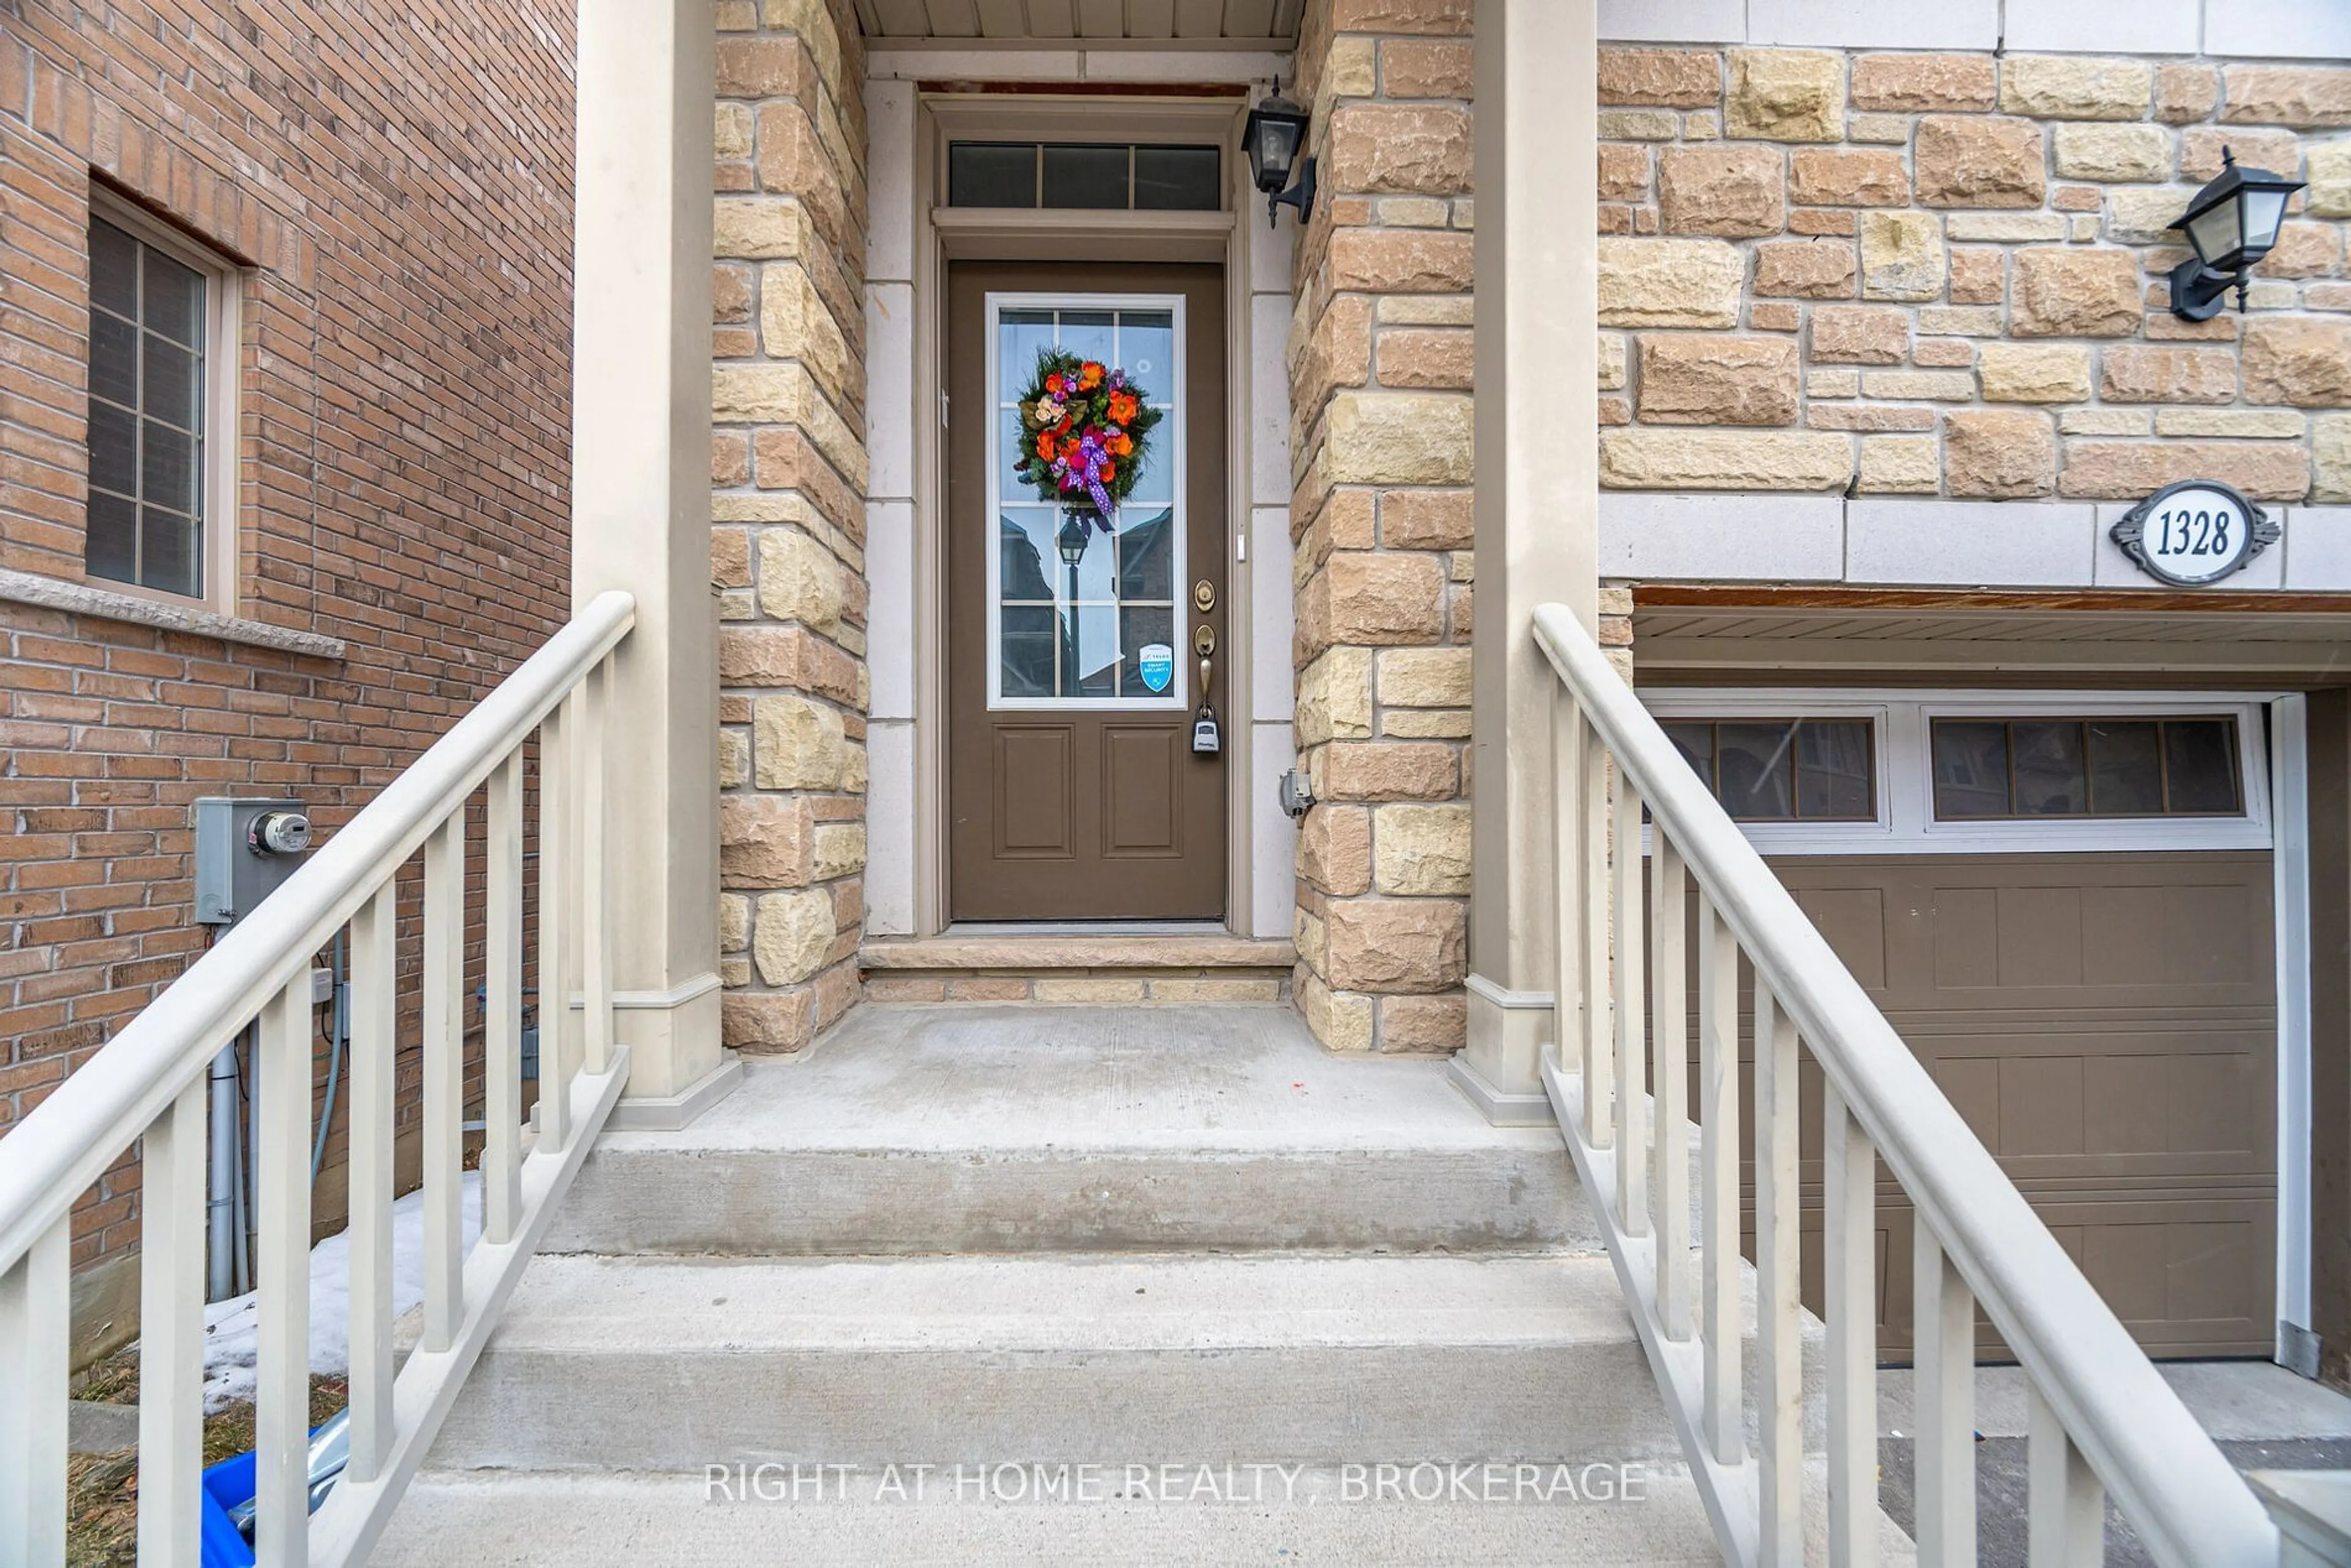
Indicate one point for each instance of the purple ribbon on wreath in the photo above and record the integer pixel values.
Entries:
(1087, 472)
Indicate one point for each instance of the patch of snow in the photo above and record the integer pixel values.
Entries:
(232, 1327)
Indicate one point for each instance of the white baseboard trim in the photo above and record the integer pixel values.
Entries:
(1499, 1106)
(677, 996)
(669, 1113)
(1510, 1000)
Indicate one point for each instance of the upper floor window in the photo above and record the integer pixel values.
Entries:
(161, 440)
(1140, 176)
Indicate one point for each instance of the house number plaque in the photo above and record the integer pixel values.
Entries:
(2195, 532)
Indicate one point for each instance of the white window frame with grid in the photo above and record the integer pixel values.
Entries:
(221, 439)
(1172, 428)
(1905, 820)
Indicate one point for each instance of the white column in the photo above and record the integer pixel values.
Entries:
(1537, 505)
(641, 521)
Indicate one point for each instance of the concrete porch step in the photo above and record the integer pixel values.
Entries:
(1187, 969)
(523, 1520)
(660, 1364)
(1037, 1129)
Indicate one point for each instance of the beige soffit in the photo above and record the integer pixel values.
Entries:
(1670, 641)
(1261, 24)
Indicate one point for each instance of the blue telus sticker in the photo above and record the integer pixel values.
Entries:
(1157, 663)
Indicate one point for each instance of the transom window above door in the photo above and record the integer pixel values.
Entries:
(1115, 176)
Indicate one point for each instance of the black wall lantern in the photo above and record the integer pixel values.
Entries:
(1273, 137)
(2231, 225)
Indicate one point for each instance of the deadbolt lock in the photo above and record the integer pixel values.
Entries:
(1204, 639)
(1203, 596)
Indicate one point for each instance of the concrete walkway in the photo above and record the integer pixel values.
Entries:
(2262, 1416)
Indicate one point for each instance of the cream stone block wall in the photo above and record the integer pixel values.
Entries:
(1945, 274)
(1380, 459)
(789, 471)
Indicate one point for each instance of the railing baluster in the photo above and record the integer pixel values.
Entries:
(1778, 1268)
(555, 1057)
(1568, 1001)
(1718, 1075)
(2067, 1519)
(1849, 1272)
(145, 1094)
(281, 1179)
(596, 927)
(375, 930)
(171, 1333)
(1631, 1000)
(1943, 1378)
(36, 1308)
(1669, 1029)
(444, 1081)
(1882, 1112)
(1599, 1074)
(502, 1010)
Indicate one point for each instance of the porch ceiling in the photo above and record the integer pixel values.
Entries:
(1263, 23)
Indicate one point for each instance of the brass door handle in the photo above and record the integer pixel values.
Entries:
(1204, 642)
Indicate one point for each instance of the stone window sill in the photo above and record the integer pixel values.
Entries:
(82, 599)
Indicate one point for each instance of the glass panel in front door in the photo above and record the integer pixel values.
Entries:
(1078, 618)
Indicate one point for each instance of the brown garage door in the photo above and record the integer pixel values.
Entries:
(2106, 1023)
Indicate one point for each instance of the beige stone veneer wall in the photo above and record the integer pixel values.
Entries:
(1380, 452)
(1866, 271)
(1944, 274)
(787, 475)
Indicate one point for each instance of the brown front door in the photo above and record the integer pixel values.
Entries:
(1075, 792)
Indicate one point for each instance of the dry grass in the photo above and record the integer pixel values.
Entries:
(102, 1489)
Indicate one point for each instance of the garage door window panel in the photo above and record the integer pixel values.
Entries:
(1877, 770)
(1995, 769)
(1784, 769)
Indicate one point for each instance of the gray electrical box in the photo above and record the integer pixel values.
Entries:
(244, 850)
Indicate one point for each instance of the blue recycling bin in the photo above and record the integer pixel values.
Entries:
(226, 1484)
(219, 1544)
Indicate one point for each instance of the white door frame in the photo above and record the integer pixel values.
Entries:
(906, 323)
(2290, 857)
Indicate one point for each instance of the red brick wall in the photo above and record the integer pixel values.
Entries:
(398, 180)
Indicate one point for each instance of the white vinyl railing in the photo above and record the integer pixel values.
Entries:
(2102, 1422)
(147, 1086)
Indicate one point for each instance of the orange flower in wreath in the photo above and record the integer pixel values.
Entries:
(1121, 407)
(1090, 375)
(1122, 445)
(1045, 444)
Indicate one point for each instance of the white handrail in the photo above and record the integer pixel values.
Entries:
(51, 1157)
(2174, 1485)
(145, 1087)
